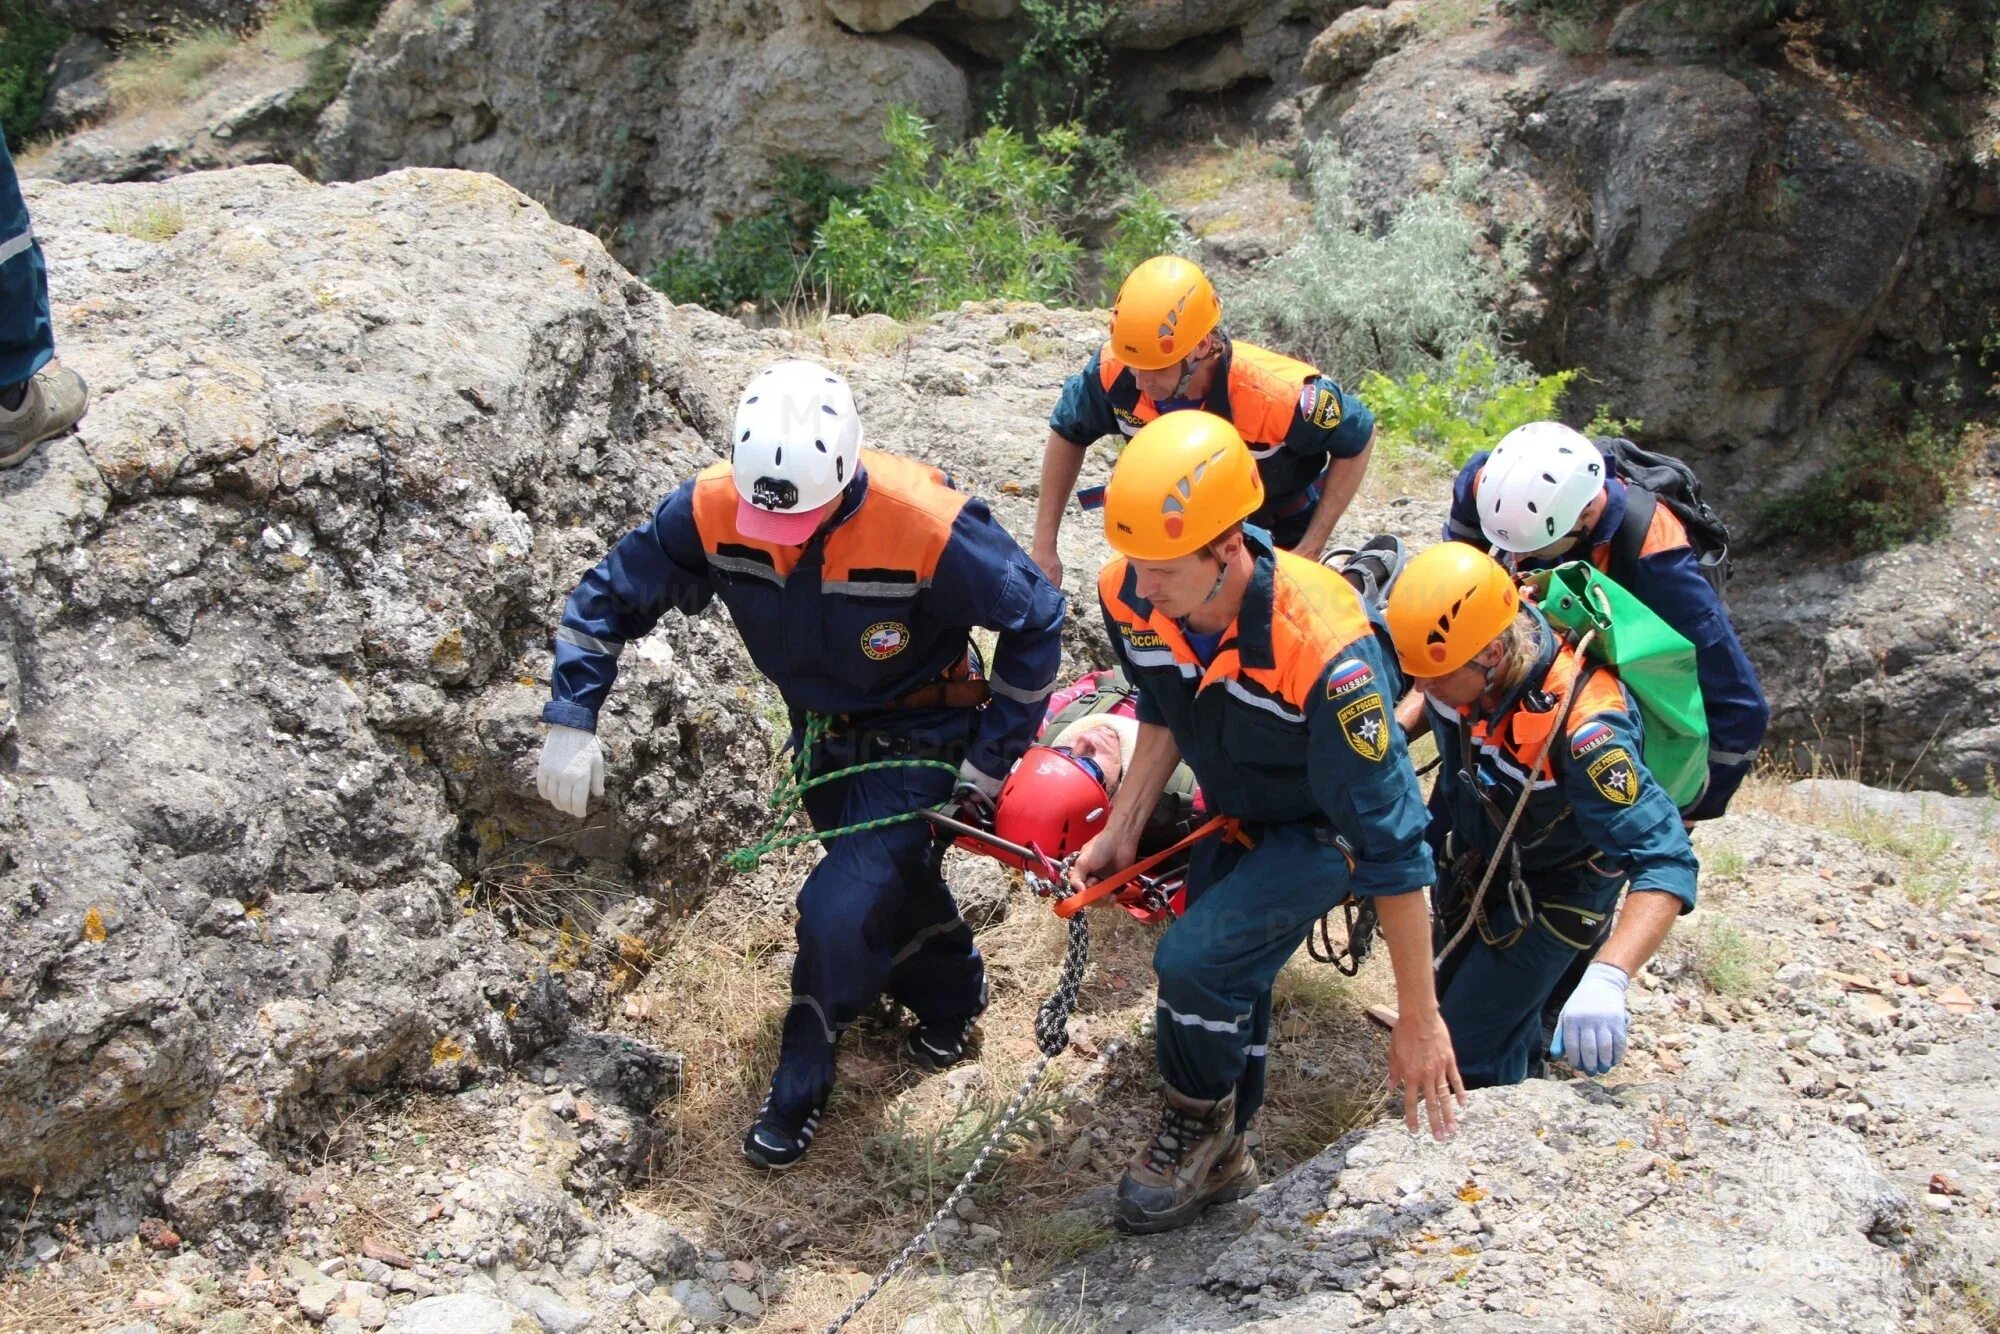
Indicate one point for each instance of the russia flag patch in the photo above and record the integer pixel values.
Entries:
(1588, 738)
(1348, 677)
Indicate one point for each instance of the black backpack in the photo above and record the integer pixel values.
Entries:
(1661, 479)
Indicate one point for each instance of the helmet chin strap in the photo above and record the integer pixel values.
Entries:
(1221, 578)
(1189, 367)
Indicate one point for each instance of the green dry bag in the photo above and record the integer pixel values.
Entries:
(1655, 661)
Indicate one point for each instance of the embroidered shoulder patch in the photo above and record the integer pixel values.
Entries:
(1348, 676)
(1614, 777)
(1320, 405)
(1365, 724)
(1588, 738)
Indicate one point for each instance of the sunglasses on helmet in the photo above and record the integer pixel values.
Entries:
(1083, 762)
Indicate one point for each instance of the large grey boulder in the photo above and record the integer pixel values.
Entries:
(276, 639)
(1559, 1208)
(650, 123)
(1888, 664)
(1714, 246)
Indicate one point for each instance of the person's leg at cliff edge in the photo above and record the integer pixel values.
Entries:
(38, 398)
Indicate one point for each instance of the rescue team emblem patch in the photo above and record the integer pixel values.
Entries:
(1320, 406)
(1614, 777)
(1348, 677)
(1144, 639)
(1366, 726)
(1588, 738)
(885, 639)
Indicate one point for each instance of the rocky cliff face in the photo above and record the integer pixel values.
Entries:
(1758, 265)
(275, 620)
(274, 623)
(645, 122)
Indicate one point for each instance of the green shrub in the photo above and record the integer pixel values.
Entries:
(351, 15)
(1407, 302)
(1481, 399)
(936, 228)
(764, 259)
(1570, 24)
(1058, 76)
(1145, 228)
(1881, 492)
(28, 39)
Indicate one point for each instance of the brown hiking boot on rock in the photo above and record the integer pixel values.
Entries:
(1197, 1158)
(54, 400)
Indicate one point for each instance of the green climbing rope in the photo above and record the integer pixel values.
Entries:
(788, 797)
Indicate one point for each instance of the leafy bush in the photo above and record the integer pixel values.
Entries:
(994, 217)
(352, 15)
(1059, 77)
(1404, 303)
(1881, 492)
(1570, 24)
(28, 39)
(936, 228)
(1481, 399)
(764, 259)
(1144, 228)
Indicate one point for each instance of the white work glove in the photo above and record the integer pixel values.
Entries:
(572, 770)
(1594, 1023)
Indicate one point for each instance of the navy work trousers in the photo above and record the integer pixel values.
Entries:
(1248, 910)
(26, 340)
(875, 914)
(1492, 995)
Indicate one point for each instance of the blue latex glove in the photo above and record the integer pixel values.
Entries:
(1594, 1023)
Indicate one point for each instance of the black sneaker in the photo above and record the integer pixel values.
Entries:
(774, 1142)
(938, 1046)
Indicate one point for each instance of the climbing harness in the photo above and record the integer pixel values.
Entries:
(800, 780)
(1347, 960)
(1473, 912)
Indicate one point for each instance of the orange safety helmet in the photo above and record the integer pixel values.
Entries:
(1166, 306)
(1052, 802)
(1178, 485)
(1451, 601)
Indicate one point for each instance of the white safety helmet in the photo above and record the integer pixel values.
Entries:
(1536, 482)
(796, 443)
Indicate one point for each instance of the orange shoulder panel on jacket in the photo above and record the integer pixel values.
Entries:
(1109, 368)
(1664, 533)
(1264, 389)
(715, 506)
(1315, 616)
(903, 524)
(1602, 693)
(715, 500)
(1110, 580)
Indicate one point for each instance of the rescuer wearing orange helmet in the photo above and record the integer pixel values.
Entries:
(1167, 352)
(1264, 670)
(1513, 706)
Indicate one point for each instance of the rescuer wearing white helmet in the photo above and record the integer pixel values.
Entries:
(854, 578)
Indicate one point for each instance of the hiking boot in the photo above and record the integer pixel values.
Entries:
(55, 398)
(938, 1046)
(780, 1137)
(1197, 1158)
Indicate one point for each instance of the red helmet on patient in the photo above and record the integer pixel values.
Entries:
(1053, 802)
